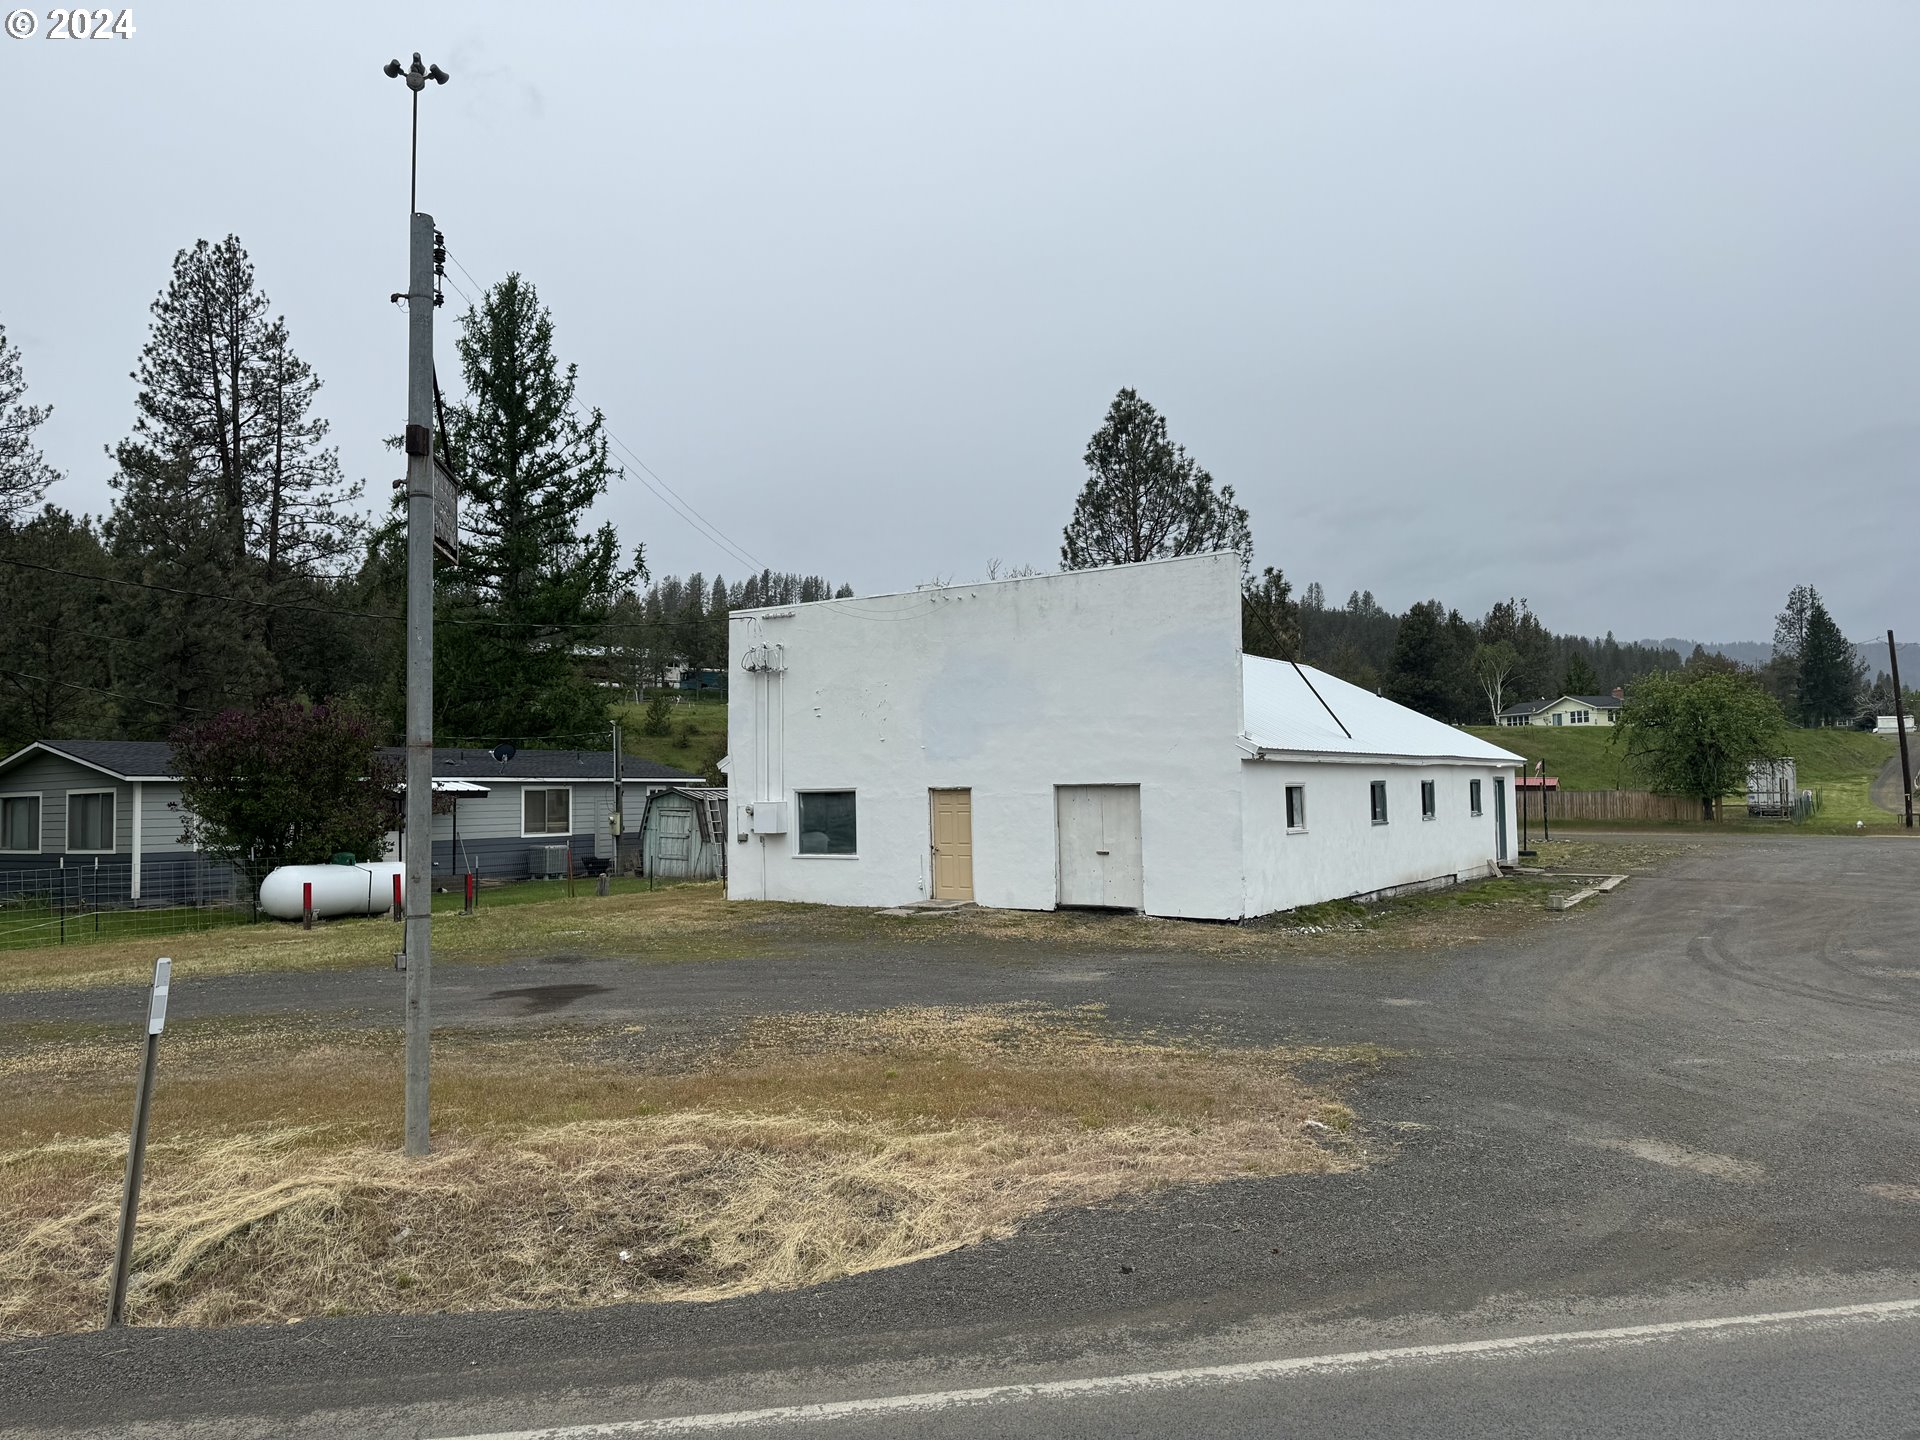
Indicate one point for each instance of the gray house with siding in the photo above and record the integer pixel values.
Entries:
(109, 811)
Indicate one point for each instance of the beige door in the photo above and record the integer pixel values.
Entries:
(952, 844)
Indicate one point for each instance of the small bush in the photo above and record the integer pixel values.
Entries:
(658, 721)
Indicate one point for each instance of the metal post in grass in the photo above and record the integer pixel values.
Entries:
(1900, 729)
(137, 1146)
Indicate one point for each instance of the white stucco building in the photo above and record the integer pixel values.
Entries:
(1090, 738)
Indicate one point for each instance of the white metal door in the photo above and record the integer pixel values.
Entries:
(1099, 840)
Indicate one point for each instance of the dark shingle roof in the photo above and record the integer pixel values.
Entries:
(125, 758)
(130, 758)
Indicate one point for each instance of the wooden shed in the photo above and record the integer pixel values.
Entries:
(683, 833)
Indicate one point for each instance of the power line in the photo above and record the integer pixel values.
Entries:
(95, 689)
(651, 478)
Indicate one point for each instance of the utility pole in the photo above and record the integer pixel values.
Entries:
(421, 298)
(1900, 728)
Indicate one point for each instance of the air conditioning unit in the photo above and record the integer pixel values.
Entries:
(547, 862)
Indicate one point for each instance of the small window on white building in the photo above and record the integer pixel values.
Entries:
(1473, 796)
(1429, 804)
(1379, 789)
(90, 821)
(1296, 807)
(20, 823)
(827, 823)
(546, 812)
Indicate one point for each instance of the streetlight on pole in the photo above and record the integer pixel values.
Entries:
(421, 299)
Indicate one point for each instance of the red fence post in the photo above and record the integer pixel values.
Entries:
(469, 892)
(306, 905)
(399, 909)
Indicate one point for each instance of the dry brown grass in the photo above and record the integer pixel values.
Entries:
(696, 922)
(568, 1173)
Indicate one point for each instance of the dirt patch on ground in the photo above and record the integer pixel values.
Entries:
(809, 1147)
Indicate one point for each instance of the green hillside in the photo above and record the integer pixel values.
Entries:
(1840, 764)
(696, 738)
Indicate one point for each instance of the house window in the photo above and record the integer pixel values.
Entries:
(1429, 805)
(1580, 717)
(1379, 802)
(20, 823)
(827, 822)
(90, 821)
(1296, 807)
(546, 812)
(1473, 796)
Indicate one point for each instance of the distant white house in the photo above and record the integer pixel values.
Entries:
(1094, 738)
(1885, 725)
(1565, 710)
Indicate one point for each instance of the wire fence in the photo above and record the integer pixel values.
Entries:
(90, 900)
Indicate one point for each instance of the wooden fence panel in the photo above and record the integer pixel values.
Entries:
(1618, 805)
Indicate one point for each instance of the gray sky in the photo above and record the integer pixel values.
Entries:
(1610, 306)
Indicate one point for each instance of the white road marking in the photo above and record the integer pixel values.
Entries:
(1109, 1385)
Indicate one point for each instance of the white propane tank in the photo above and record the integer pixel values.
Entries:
(365, 889)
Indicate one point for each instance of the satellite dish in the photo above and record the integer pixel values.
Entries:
(505, 751)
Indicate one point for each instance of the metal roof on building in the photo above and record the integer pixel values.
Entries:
(1290, 708)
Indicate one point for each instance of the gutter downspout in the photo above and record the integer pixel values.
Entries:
(139, 816)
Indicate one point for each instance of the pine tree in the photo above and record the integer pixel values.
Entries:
(1580, 678)
(1421, 674)
(1830, 675)
(53, 677)
(1146, 498)
(225, 487)
(24, 472)
(1269, 620)
(533, 581)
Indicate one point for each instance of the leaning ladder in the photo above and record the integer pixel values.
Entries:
(716, 818)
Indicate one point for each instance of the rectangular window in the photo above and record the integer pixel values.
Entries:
(827, 823)
(20, 823)
(546, 812)
(1296, 807)
(90, 820)
(1473, 796)
(1429, 805)
(1379, 802)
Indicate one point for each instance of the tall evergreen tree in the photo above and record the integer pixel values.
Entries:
(1146, 498)
(534, 580)
(1422, 673)
(1830, 676)
(24, 472)
(1269, 620)
(1580, 678)
(225, 487)
(54, 680)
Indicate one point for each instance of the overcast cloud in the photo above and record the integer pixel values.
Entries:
(1612, 306)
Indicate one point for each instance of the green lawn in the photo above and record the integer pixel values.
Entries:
(698, 735)
(1838, 765)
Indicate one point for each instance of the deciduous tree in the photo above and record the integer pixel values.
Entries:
(284, 784)
(1695, 734)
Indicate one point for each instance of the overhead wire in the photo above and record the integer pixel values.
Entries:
(650, 478)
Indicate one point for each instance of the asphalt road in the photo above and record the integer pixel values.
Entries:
(1700, 1101)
